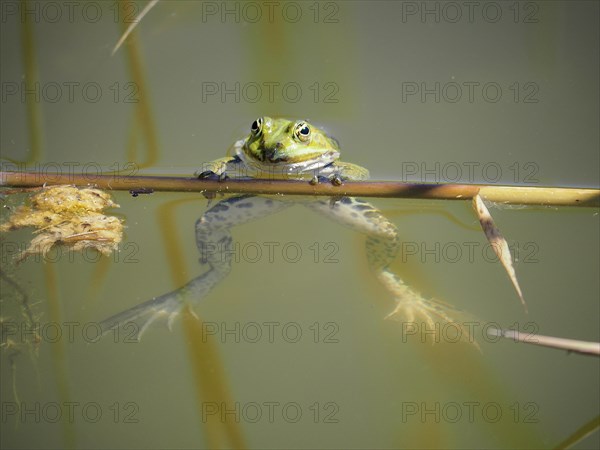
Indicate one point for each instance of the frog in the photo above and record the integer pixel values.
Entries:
(279, 148)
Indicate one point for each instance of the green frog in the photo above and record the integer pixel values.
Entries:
(287, 149)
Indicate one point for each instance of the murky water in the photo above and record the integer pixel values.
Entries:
(294, 338)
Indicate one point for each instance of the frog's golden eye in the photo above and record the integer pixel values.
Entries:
(256, 127)
(302, 131)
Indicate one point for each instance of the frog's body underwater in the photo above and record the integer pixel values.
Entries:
(280, 148)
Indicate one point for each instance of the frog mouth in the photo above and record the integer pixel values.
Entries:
(273, 158)
(270, 159)
(273, 155)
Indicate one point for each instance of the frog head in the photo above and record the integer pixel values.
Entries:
(292, 145)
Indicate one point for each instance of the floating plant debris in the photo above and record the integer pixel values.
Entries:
(68, 216)
(498, 243)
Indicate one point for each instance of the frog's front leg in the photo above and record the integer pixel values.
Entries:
(222, 168)
(348, 171)
(382, 246)
(338, 172)
(215, 244)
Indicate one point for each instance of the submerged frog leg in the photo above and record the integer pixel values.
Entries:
(382, 246)
(215, 244)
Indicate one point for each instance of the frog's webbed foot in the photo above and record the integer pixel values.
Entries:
(429, 312)
(382, 245)
(433, 318)
(166, 307)
(215, 244)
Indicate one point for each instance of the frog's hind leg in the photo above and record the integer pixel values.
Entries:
(215, 244)
(382, 246)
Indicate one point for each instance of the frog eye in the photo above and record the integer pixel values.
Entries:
(256, 127)
(302, 131)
